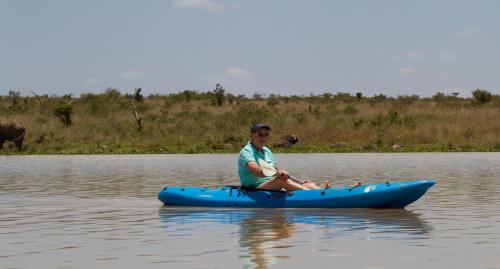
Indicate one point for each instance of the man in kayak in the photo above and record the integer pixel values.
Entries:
(251, 174)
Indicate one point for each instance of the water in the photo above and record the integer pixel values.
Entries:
(102, 212)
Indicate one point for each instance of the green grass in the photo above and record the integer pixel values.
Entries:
(218, 122)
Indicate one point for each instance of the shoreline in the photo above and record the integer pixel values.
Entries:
(189, 152)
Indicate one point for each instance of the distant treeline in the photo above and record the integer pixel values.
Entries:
(218, 121)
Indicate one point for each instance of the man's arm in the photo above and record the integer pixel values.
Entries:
(255, 169)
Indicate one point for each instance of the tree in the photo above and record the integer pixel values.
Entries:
(482, 96)
(14, 96)
(138, 95)
(219, 94)
(257, 96)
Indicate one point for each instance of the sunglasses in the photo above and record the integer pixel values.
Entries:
(262, 134)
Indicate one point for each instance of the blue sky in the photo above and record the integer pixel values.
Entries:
(269, 46)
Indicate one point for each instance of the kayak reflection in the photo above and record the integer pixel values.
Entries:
(264, 231)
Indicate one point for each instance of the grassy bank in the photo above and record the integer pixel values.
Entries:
(193, 122)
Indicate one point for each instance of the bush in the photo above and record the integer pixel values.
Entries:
(379, 97)
(272, 100)
(111, 93)
(14, 97)
(138, 95)
(439, 97)
(219, 95)
(343, 96)
(350, 110)
(257, 96)
(63, 112)
(393, 117)
(408, 99)
(356, 123)
(482, 96)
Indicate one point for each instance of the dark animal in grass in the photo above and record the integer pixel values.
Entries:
(286, 141)
(11, 130)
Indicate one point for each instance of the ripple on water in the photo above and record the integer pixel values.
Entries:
(101, 211)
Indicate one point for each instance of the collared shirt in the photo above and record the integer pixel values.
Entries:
(247, 154)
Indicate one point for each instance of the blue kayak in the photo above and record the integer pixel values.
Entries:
(384, 195)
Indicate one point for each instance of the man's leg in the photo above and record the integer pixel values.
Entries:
(311, 185)
(279, 183)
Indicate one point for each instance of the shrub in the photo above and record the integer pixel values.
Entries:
(257, 96)
(379, 97)
(377, 121)
(343, 96)
(138, 95)
(439, 97)
(393, 117)
(110, 93)
(408, 99)
(219, 94)
(63, 112)
(350, 110)
(356, 123)
(188, 95)
(482, 96)
(272, 100)
(14, 97)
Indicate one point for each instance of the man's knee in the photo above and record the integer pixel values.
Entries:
(281, 178)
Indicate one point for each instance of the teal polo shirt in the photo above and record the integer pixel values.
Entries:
(247, 154)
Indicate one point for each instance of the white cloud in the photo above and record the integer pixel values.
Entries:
(414, 55)
(467, 32)
(93, 81)
(131, 75)
(446, 55)
(238, 74)
(207, 5)
(406, 71)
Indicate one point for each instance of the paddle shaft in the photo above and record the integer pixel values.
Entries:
(296, 180)
(270, 170)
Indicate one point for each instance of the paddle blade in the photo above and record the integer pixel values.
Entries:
(267, 169)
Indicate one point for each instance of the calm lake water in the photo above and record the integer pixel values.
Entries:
(102, 212)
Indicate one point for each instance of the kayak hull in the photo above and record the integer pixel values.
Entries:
(385, 195)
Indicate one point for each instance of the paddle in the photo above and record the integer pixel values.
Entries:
(270, 171)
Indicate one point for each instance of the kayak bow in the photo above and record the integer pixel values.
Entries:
(384, 195)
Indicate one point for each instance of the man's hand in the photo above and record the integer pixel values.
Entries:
(283, 174)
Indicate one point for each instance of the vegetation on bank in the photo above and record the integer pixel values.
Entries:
(217, 121)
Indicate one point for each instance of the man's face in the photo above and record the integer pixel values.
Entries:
(260, 136)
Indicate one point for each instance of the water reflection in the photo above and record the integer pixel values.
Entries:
(263, 232)
(102, 212)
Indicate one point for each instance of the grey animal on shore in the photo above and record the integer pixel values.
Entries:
(286, 141)
(11, 130)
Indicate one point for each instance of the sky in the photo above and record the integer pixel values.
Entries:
(267, 46)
